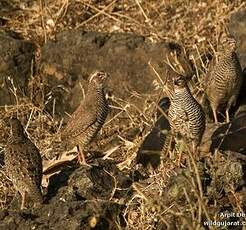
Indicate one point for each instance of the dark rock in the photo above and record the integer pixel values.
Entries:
(74, 215)
(15, 67)
(10, 8)
(149, 152)
(86, 199)
(230, 136)
(226, 176)
(241, 103)
(7, 6)
(60, 179)
(179, 183)
(241, 111)
(75, 54)
(101, 181)
(237, 27)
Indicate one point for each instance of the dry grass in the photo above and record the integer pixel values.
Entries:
(197, 25)
(189, 22)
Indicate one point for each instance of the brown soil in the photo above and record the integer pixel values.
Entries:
(47, 51)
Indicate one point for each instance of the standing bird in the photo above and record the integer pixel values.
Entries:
(186, 115)
(89, 117)
(23, 164)
(224, 79)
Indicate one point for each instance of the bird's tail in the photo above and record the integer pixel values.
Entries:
(36, 194)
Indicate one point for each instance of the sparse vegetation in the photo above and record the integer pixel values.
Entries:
(182, 193)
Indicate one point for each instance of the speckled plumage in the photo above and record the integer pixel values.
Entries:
(224, 79)
(23, 164)
(186, 115)
(89, 117)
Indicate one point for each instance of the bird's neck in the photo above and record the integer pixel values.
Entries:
(16, 139)
(98, 88)
(229, 52)
(182, 91)
(17, 135)
(95, 85)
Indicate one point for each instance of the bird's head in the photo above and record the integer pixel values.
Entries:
(229, 42)
(179, 82)
(15, 124)
(98, 78)
(16, 128)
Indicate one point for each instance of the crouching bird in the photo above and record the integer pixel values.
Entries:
(23, 164)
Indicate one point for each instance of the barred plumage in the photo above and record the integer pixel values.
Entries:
(23, 164)
(224, 79)
(185, 114)
(89, 117)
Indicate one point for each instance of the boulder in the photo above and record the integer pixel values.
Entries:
(15, 66)
(77, 198)
(230, 136)
(150, 150)
(237, 27)
(70, 59)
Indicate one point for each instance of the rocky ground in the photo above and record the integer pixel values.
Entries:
(47, 51)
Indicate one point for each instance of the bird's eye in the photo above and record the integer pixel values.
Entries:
(179, 82)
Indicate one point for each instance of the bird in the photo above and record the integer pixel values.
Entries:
(23, 164)
(89, 117)
(185, 114)
(224, 78)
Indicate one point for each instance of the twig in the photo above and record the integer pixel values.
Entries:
(97, 14)
(42, 20)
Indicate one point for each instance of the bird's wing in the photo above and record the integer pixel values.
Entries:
(27, 162)
(31, 162)
(36, 162)
(82, 118)
(210, 73)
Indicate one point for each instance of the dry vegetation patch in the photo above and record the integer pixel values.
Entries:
(181, 192)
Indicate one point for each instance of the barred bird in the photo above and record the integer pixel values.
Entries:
(224, 79)
(23, 164)
(186, 115)
(89, 117)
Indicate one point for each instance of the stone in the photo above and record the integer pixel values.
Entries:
(237, 27)
(75, 54)
(230, 136)
(15, 66)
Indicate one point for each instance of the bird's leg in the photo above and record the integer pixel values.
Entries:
(81, 156)
(227, 115)
(179, 158)
(195, 150)
(215, 115)
(231, 102)
(23, 200)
